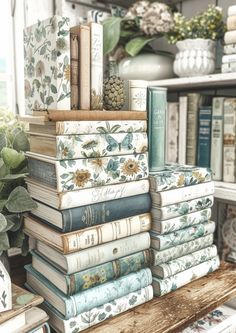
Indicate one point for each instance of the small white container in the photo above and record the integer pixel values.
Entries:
(5, 289)
(137, 95)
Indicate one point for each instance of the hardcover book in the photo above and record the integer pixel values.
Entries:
(180, 264)
(47, 65)
(89, 237)
(63, 147)
(183, 107)
(228, 58)
(164, 286)
(204, 137)
(68, 175)
(172, 132)
(90, 215)
(70, 306)
(231, 10)
(230, 49)
(162, 242)
(85, 67)
(74, 60)
(229, 67)
(230, 37)
(35, 322)
(87, 258)
(91, 277)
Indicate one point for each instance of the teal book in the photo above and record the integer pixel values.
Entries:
(157, 106)
(204, 136)
(70, 306)
(89, 278)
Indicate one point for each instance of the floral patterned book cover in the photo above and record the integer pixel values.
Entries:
(47, 65)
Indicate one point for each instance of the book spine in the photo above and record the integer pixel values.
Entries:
(181, 208)
(175, 252)
(172, 133)
(100, 127)
(104, 233)
(96, 214)
(217, 138)
(226, 59)
(230, 49)
(229, 159)
(183, 103)
(204, 137)
(228, 68)
(162, 287)
(178, 265)
(231, 10)
(96, 93)
(106, 272)
(84, 85)
(93, 145)
(181, 222)
(162, 242)
(74, 77)
(230, 37)
(192, 128)
(157, 105)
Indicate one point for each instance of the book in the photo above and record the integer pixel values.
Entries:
(157, 105)
(231, 22)
(183, 107)
(217, 138)
(89, 237)
(180, 264)
(91, 277)
(85, 127)
(85, 67)
(228, 58)
(172, 132)
(229, 151)
(96, 89)
(63, 147)
(177, 251)
(94, 256)
(176, 176)
(230, 49)
(98, 314)
(74, 68)
(68, 175)
(35, 322)
(204, 137)
(228, 68)
(231, 10)
(70, 306)
(181, 222)
(230, 37)
(10, 324)
(71, 199)
(174, 196)
(47, 64)
(90, 215)
(228, 239)
(164, 286)
(182, 208)
(220, 320)
(162, 242)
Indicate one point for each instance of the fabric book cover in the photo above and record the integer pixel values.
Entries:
(47, 65)
(68, 175)
(172, 132)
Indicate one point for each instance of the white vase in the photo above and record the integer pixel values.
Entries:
(146, 66)
(195, 57)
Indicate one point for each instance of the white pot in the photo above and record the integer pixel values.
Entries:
(195, 57)
(146, 66)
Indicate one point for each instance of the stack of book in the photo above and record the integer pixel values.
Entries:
(181, 234)
(24, 316)
(229, 58)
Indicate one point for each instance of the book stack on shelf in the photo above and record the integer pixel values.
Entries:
(181, 233)
(25, 316)
(229, 58)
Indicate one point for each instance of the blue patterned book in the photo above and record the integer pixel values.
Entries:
(204, 136)
(70, 306)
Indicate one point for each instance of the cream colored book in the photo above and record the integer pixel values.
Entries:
(230, 37)
(84, 70)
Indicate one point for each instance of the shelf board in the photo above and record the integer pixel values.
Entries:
(213, 80)
(176, 310)
(226, 191)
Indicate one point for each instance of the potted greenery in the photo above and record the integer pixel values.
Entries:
(195, 39)
(14, 198)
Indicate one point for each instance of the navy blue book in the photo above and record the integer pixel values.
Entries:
(204, 137)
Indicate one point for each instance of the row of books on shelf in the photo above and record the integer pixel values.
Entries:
(200, 130)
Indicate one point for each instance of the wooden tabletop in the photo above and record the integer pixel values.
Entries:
(176, 310)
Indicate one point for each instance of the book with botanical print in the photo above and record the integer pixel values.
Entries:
(68, 175)
(185, 262)
(172, 132)
(181, 222)
(70, 306)
(94, 276)
(88, 237)
(177, 251)
(64, 147)
(176, 176)
(182, 208)
(164, 286)
(47, 65)
(162, 242)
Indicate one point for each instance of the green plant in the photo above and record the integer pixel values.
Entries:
(144, 22)
(14, 198)
(208, 24)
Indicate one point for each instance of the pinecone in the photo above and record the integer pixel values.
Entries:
(113, 93)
